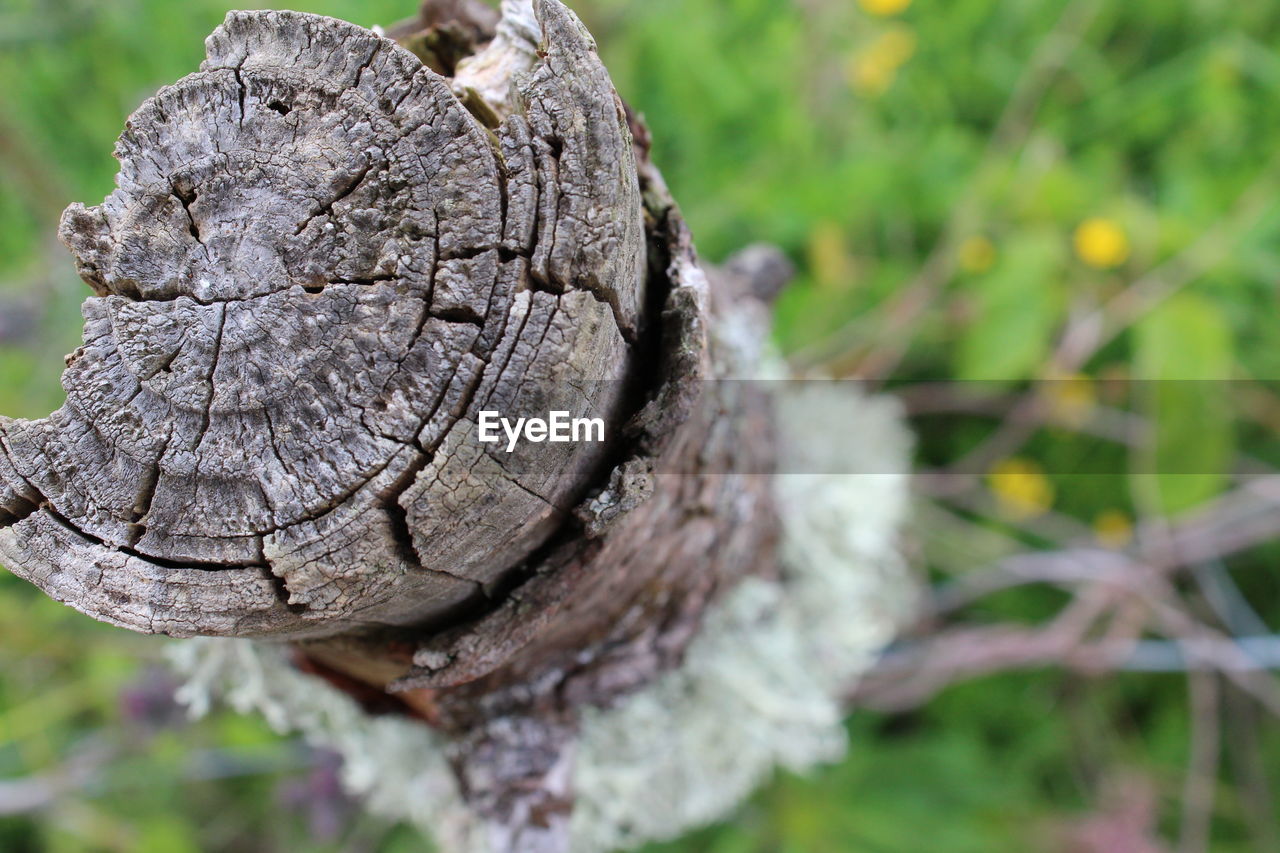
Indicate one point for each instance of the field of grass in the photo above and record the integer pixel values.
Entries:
(960, 182)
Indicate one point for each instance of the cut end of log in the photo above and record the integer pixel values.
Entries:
(318, 267)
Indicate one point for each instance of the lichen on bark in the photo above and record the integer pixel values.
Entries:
(326, 255)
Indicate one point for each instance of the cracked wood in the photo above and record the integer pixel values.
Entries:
(317, 268)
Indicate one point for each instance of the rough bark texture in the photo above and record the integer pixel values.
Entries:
(324, 258)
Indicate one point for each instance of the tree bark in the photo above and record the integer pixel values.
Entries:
(326, 255)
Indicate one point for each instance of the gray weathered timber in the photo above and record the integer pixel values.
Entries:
(323, 260)
(317, 268)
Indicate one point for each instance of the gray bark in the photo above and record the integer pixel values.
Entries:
(324, 258)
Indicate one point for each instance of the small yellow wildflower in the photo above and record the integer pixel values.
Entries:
(1102, 243)
(883, 7)
(1070, 398)
(829, 256)
(873, 70)
(977, 254)
(1113, 529)
(1021, 489)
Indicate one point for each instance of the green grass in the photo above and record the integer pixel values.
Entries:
(856, 143)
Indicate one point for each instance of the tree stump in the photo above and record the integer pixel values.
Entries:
(327, 256)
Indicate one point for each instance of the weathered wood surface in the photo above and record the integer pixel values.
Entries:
(317, 268)
(324, 258)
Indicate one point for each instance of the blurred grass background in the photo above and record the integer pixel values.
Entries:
(1017, 163)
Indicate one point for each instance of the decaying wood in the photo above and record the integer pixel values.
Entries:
(324, 258)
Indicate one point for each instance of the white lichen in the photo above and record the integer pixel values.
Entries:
(760, 688)
(762, 685)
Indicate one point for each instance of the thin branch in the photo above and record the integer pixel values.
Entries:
(1202, 769)
(1088, 333)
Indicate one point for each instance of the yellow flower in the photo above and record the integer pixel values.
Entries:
(1021, 489)
(873, 70)
(1113, 529)
(1102, 243)
(869, 77)
(977, 254)
(1070, 399)
(829, 256)
(883, 7)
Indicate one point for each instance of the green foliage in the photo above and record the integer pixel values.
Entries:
(1017, 305)
(1184, 357)
(859, 144)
